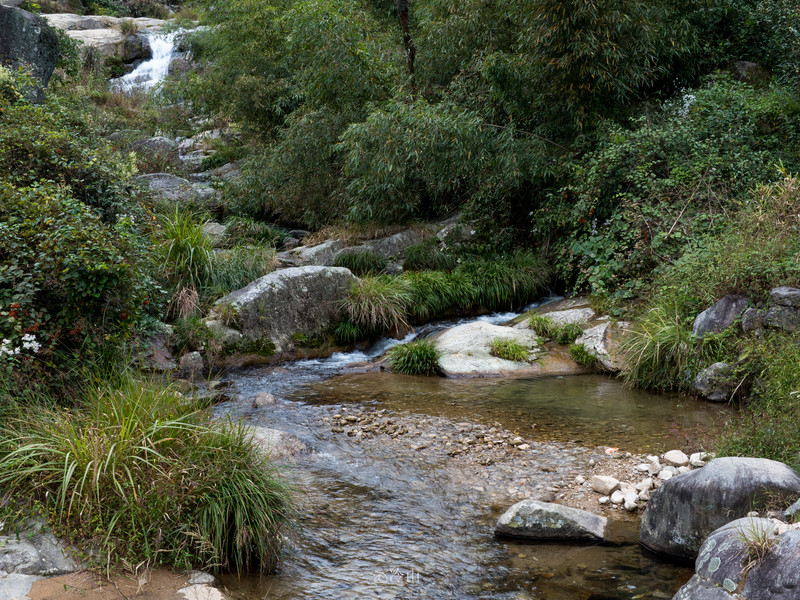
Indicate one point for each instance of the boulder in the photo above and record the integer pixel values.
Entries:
(786, 296)
(720, 316)
(465, 349)
(715, 383)
(156, 355)
(319, 255)
(534, 520)
(604, 342)
(171, 188)
(782, 317)
(747, 559)
(158, 147)
(26, 39)
(688, 507)
(574, 315)
(192, 363)
(34, 553)
(394, 246)
(278, 309)
(216, 233)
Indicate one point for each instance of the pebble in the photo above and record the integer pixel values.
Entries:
(617, 497)
(698, 459)
(644, 485)
(580, 480)
(664, 475)
(682, 470)
(676, 458)
(603, 484)
(604, 500)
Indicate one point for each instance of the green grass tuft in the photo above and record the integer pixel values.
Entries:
(347, 333)
(361, 261)
(581, 355)
(436, 293)
(509, 350)
(560, 333)
(428, 256)
(415, 358)
(138, 471)
(506, 283)
(378, 303)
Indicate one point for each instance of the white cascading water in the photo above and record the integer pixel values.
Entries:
(153, 71)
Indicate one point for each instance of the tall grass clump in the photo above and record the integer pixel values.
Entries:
(415, 358)
(560, 333)
(185, 249)
(435, 293)
(361, 261)
(246, 230)
(509, 350)
(378, 303)
(506, 282)
(428, 255)
(137, 471)
(234, 268)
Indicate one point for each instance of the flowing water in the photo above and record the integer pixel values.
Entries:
(387, 520)
(153, 71)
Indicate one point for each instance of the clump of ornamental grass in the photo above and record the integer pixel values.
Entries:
(361, 261)
(246, 230)
(346, 333)
(234, 268)
(138, 472)
(509, 350)
(378, 303)
(415, 358)
(185, 249)
(506, 282)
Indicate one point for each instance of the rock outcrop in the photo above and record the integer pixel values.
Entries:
(534, 520)
(688, 507)
(604, 342)
(715, 383)
(171, 188)
(747, 559)
(719, 317)
(282, 311)
(26, 39)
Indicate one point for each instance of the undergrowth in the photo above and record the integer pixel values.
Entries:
(415, 358)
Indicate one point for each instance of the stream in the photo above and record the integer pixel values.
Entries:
(389, 518)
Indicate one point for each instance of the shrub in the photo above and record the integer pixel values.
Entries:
(139, 473)
(506, 282)
(581, 355)
(427, 255)
(378, 303)
(415, 358)
(509, 350)
(361, 261)
(347, 333)
(246, 230)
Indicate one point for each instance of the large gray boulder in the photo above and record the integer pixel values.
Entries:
(785, 296)
(285, 309)
(171, 188)
(534, 520)
(747, 559)
(604, 342)
(720, 316)
(688, 507)
(35, 553)
(26, 39)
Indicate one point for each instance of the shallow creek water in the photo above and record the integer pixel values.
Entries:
(387, 520)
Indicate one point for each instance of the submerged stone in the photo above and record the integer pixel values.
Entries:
(534, 520)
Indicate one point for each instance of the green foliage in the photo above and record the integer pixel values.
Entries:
(361, 261)
(428, 255)
(435, 293)
(232, 269)
(581, 355)
(106, 475)
(636, 200)
(378, 303)
(185, 250)
(415, 358)
(509, 350)
(506, 282)
(245, 230)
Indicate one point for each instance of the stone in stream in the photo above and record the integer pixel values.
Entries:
(534, 520)
(747, 559)
(687, 508)
(604, 484)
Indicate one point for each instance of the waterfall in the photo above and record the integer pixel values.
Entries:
(153, 71)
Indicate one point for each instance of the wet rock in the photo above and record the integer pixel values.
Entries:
(465, 349)
(277, 310)
(263, 399)
(676, 458)
(534, 520)
(603, 484)
(279, 444)
(26, 39)
(747, 559)
(719, 316)
(715, 383)
(604, 342)
(192, 362)
(685, 509)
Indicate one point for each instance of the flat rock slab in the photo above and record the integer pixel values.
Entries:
(534, 520)
(572, 315)
(465, 349)
(40, 554)
(687, 508)
(15, 586)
